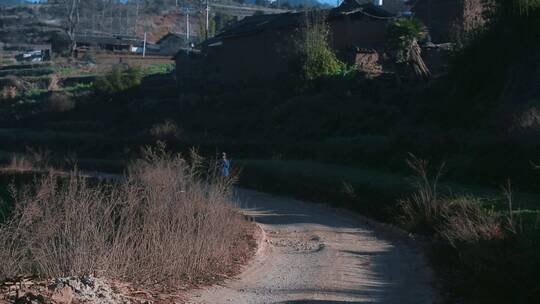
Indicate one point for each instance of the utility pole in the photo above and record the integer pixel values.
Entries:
(187, 26)
(120, 20)
(144, 46)
(207, 13)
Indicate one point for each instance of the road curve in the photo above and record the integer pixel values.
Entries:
(315, 254)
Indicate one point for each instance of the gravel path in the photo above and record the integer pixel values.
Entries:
(314, 254)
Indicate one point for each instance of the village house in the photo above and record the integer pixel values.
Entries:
(445, 18)
(171, 43)
(396, 7)
(261, 47)
(60, 43)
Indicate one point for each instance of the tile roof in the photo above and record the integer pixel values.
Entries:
(258, 23)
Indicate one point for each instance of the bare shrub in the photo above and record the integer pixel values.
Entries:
(166, 131)
(34, 159)
(474, 14)
(18, 83)
(39, 157)
(120, 78)
(528, 120)
(19, 163)
(10, 255)
(170, 221)
(54, 83)
(8, 92)
(59, 102)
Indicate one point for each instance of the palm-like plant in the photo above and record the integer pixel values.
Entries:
(403, 36)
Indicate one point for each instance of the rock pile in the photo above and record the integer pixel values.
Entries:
(86, 289)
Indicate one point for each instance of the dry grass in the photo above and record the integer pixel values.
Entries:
(33, 160)
(169, 222)
(457, 220)
(467, 222)
(423, 210)
(474, 14)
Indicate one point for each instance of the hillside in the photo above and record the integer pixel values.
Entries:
(36, 24)
(28, 24)
(13, 2)
(294, 3)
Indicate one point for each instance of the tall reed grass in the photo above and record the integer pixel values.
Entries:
(455, 219)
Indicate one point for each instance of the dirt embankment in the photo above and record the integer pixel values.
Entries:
(90, 289)
(190, 236)
(37, 24)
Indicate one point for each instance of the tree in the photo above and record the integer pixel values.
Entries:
(222, 20)
(70, 13)
(317, 58)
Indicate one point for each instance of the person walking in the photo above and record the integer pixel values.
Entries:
(225, 165)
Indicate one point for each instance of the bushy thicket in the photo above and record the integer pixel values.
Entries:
(478, 249)
(120, 78)
(170, 221)
(316, 57)
(495, 70)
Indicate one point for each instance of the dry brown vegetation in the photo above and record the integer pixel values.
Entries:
(19, 163)
(423, 209)
(166, 131)
(8, 92)
(455, 219)
(466, 221)
(59, 102)
(479, 247)
(32, 160)
(474, 14)
(169, 222)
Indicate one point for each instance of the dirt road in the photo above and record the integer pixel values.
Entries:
(314, 254)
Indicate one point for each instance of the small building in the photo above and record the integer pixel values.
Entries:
(171, 43)
(34, 55)
(262, 47)
(190, 66)
(444, 18)
(60, 43)
(396, 7)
